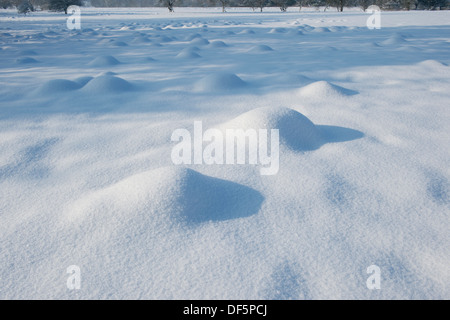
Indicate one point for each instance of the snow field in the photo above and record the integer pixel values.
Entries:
(86, 176)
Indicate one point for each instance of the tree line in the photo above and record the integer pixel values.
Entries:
(25, 6)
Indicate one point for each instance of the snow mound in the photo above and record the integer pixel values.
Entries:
(218, 44)
(394, 39)
(141, 39)
(28, 53)
(296, 131)
(432, 64)
(247, 31)
(107, 73)
(104, 61)
(199, 42)
(175, 194)
(26, 60)
(164, 39)
(58, 85)
(108, 84)
(321, 29)
(325, 89)
(188, 53)
(119, 44)
(278, 30)
(220, 82)
(260, 48)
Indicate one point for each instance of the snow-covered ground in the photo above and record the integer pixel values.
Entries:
(87, 177)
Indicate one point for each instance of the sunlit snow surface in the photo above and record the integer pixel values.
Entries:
(86, 176)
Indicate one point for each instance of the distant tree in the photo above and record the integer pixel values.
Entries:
(5, 4)
(25, 6)
(63, 5)
(261, 4)
(169, 4)
(364, 4)
(250, 3)
(319, 3)
(282, 4)
(301, 4)
(224, 4)
(433, 4)
(338, 4)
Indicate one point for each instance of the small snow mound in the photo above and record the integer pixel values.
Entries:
(325, 89)
(141, 39)
(296, 131)
(28, 53)
(26, 60)
(174, 194)
(321, 30)
(260, 48)
(107, 73)
(119, 44)
(188, 53)
(432, 64)
(247, 31)
(108, 84)
(218, 44)
(104, 61)
(278, 30)
(394, 39)
(58, 85)
(220, 82)
(199, 42)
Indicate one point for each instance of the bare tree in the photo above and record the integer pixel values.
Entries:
(282, 4)
(250, 3)
(301, 3)
(261, 4)
(224, 4)
(169, 4)
(338, 4)
(364, 4)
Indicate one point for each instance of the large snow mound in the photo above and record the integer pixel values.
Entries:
(296, 131)
(173, 195)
